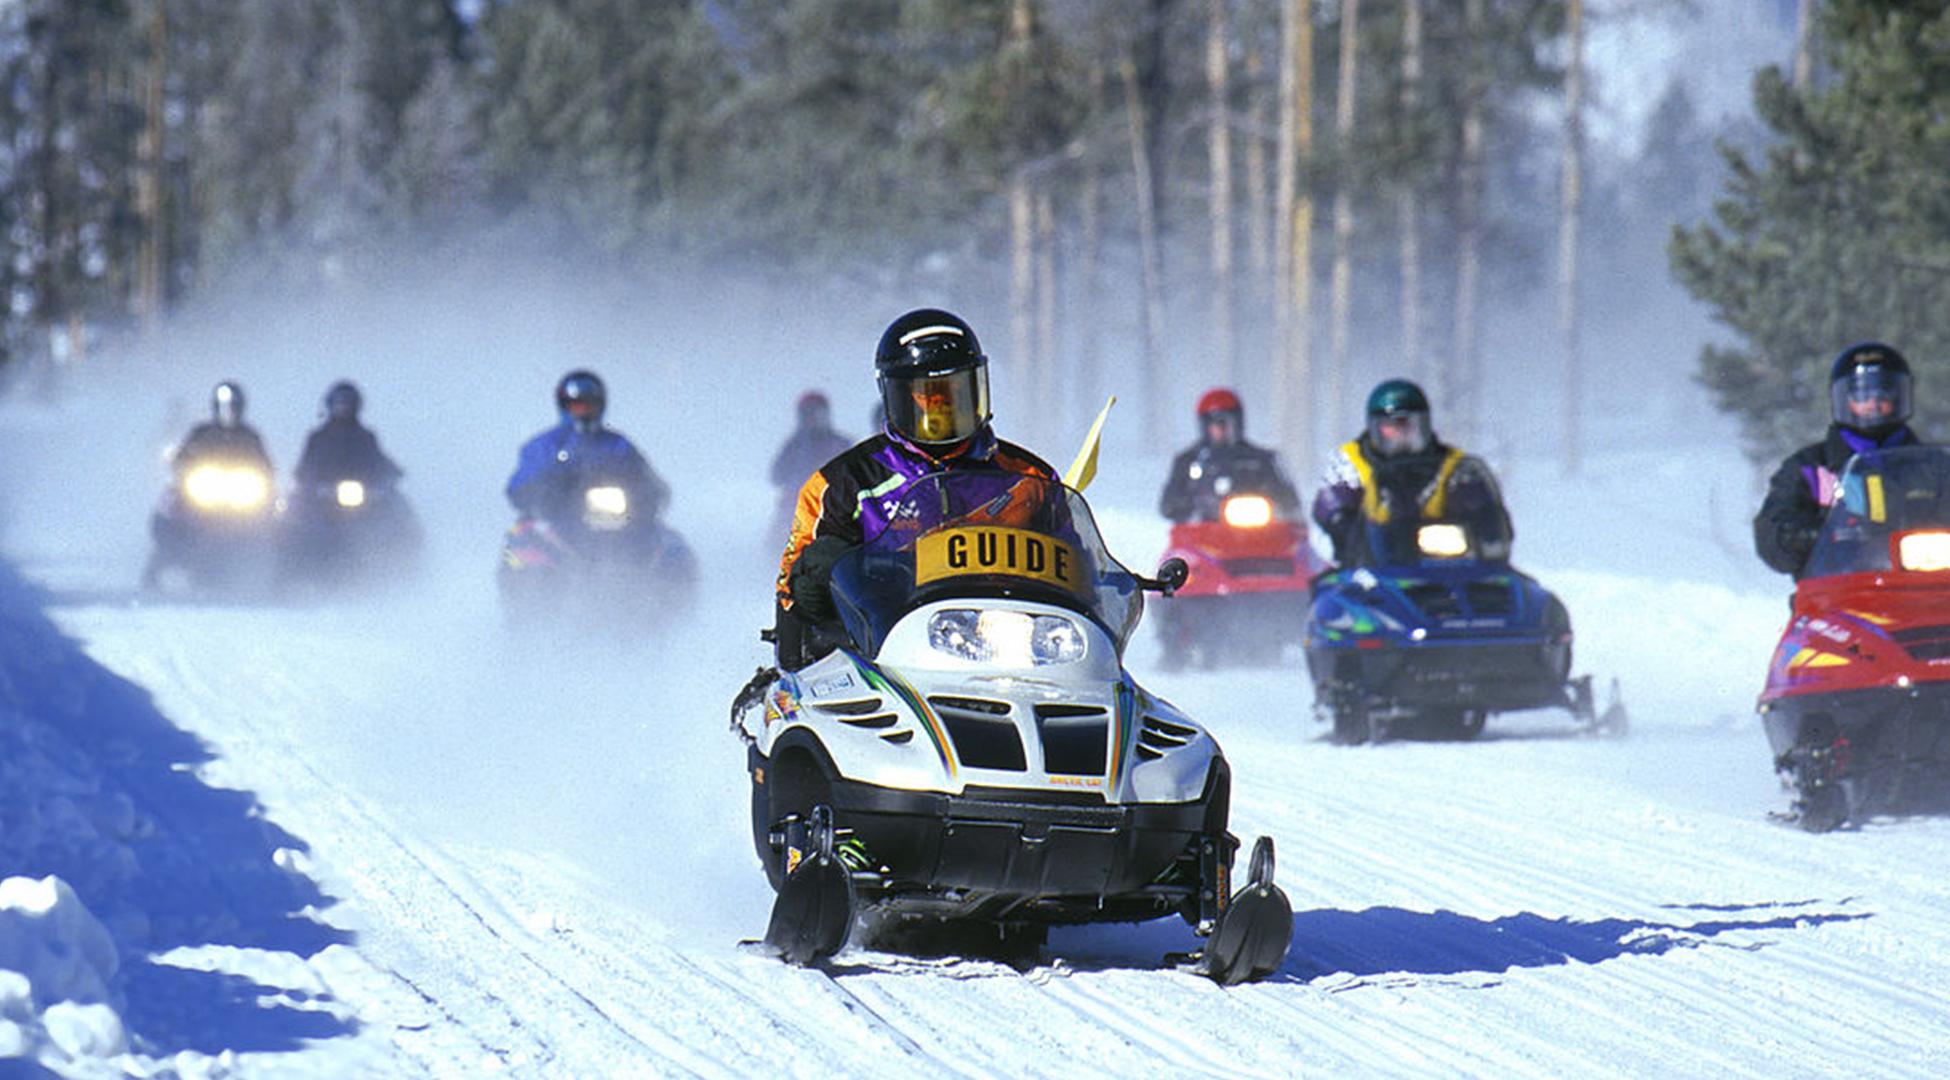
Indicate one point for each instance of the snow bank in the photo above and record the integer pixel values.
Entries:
(56, 967)
(122, 866)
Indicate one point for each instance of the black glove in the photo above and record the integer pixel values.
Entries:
(811, 580)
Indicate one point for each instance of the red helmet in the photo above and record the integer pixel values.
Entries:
(1219, 399)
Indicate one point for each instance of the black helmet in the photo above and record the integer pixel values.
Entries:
(343, 401)
(1869, 389)
(227, 404)
(581, 398)
(1398, 418)
(934, 380)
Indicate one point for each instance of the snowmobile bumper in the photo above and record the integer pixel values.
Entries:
(1029, 856)
(1897, 739)
(1487, 676)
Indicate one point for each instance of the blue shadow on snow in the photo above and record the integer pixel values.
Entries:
(1386, 940)
(202, 871)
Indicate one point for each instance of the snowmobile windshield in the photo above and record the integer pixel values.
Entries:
(1891, 512)
(984, 534)
(1423, 542)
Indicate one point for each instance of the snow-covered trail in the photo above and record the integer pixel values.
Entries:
(543, 859)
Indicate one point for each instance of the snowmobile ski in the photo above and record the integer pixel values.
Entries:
(813, 913)
(1251, 937)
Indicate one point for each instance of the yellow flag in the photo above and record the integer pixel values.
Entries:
(1084, 468)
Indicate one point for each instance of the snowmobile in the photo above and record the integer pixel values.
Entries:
(1246, 598)
(1857, 701)
(215, 529)
(1433, 638)
(606, 564)
(973, 753)
(343, 531)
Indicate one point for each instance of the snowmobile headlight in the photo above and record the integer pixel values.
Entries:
(1006, 638)
(220, 487)
(605, 507)
(1247, 511)
(1442, 541)
(351, 494)
(1924, 551)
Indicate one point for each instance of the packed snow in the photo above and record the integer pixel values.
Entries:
(386, 836)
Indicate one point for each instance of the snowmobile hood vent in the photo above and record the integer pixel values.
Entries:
(861, 707)
(1076, 738)
(1490, 598)
(984, 733)
(1925, 642)
(1159, 735)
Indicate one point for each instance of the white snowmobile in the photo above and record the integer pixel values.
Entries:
(975, 753)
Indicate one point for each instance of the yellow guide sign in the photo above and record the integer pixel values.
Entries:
(989, 550)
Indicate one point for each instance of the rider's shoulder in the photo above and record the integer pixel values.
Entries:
(1017, 459)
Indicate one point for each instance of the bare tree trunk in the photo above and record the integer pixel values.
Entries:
(1022, 256)
(1090, 245)
(1342, 301)
(1293, 271)
(1049, 399)
(151, 257)
(1570, 209)
(1151, 358)
(1804, 46)
(1259, 239)
(1409, 206)
(1460, 384)
(1219, 154)
(50, 298)
(1022, 286)
(1149, 85)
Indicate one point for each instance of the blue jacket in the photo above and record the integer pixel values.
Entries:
(555, 464)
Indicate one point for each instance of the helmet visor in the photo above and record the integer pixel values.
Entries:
(937, 409)
(1221, 427)
(1399, 433)
(1871, 398)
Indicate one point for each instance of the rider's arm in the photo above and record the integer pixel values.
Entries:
(655, 491)
(1337, 506)
(1285, 498)
(1789, 521)
(1476, 498)
(309, 470)
(1175, 503)
(532, 468)
(819, 514)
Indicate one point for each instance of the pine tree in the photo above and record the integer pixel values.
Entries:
(1840, 231)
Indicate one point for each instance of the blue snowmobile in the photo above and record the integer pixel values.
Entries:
(1428, 636)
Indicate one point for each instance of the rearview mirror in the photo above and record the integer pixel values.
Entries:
(1171, 576)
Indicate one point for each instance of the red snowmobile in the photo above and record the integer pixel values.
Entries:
(1247, 596)
(1857, 703)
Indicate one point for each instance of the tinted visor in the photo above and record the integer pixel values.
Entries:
(1222, 427)
(937, 409)
(1399, 433)
(1871, 398)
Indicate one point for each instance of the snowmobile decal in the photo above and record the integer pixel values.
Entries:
(1125, 734)
(929, 721)
(989, 550)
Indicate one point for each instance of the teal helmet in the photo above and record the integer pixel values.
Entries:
(1398, 418)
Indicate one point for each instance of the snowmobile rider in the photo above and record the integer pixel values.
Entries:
(1869, 399)
(1221, 463)
(342, 448)
(812, 444)
(1398, 467)
(548, 478)
(224, 437)
(934, 384)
